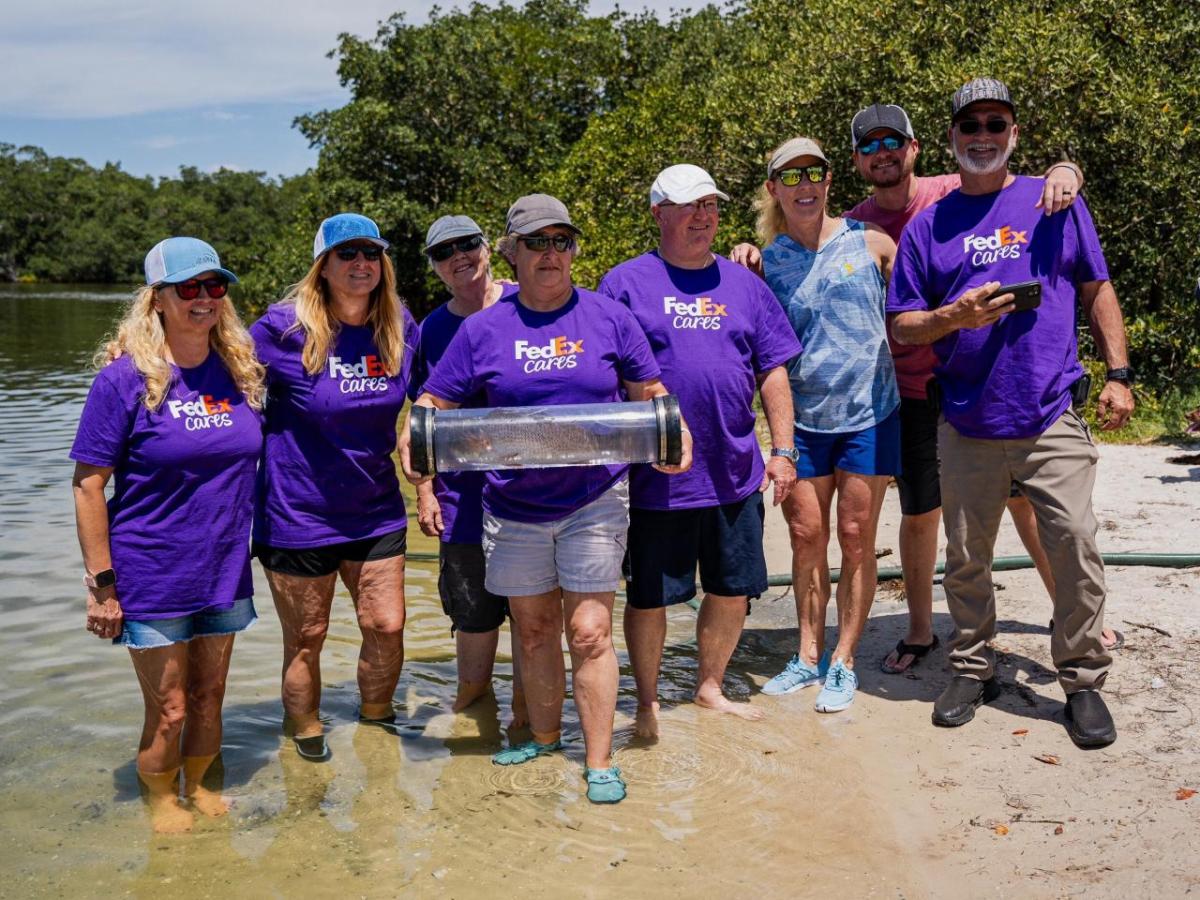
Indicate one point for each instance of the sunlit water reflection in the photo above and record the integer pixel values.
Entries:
(713, 808)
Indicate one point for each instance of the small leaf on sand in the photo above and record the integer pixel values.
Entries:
(1001, 829)
(1058, 829)
(1048, 758)
(1021, 731)
(1184, 794)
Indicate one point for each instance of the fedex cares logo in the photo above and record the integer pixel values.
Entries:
(204, 412)
(700, 313)
(1003, 243)
(360, 376)
(559, 353)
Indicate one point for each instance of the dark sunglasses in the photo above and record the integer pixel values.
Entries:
(792, 177)
(349, 254)
(216, 288)
(993, 126)
(443, 252)
(873, 146)
(539, 242)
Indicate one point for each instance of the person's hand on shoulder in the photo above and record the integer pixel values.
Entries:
(748, 256)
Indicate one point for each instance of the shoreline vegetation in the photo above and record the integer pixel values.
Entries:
(476, 106)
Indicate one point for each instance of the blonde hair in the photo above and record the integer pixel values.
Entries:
(771, 222)
(385, 315)
(141, 337)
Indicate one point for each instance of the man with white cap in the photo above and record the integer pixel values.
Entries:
(717, 332)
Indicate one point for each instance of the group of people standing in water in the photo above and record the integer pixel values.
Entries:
(277, 442)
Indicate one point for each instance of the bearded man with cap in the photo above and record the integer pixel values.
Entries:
(885, 153)
(1006, 378)
(718, 333)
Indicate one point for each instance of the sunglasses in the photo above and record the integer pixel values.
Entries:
(349, 254)
(539, 242)
(873, 146)
(216, 288)
(993, 126)
(710, 205)
(443, 252)
(792, 177)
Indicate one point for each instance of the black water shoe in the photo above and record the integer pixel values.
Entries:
(958, 702)
(1089, 722)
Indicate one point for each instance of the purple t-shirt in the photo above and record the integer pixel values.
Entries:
(579, 353)
(460, 494)
(179, 517)
(914, 362)
(1011, 379)
(328, 475)
(712, 331)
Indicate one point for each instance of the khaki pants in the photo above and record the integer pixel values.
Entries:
(1056, 471)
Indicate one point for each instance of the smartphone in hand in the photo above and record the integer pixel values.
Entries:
(1026, 294)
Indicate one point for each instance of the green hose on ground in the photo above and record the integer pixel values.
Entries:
(999, 564)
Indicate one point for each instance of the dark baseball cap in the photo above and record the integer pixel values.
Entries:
(876, 116)
(977, 90)
(536, 211)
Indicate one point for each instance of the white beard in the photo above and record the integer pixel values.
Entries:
(977, 168)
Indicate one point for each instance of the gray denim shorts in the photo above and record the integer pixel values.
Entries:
(581, 552)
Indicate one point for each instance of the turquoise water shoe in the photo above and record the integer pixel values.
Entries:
(797, 674)
(523, 753)
(838, 692)
(604, 785)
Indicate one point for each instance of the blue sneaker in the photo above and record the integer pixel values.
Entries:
(796, 674)
(838, 692)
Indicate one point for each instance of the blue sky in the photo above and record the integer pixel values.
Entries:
(154, 85)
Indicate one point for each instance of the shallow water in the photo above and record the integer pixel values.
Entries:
(714, 808)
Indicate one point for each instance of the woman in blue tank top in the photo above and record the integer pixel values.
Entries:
(830, 273)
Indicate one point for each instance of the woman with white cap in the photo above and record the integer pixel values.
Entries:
(554, 538)
(338, 352)
(175, 414)
(450, 507)
(830, 274)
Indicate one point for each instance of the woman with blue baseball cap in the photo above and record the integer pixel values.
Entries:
(338, 352)
(175, 414)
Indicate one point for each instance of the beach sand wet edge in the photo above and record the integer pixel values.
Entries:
(975, 808)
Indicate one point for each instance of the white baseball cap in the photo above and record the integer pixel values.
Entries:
(683, 184)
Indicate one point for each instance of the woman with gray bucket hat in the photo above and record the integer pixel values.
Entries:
(554, 538)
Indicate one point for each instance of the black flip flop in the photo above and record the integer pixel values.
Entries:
(313, 748)
(917, 651)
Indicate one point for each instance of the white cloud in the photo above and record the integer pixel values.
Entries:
(97, 59)
(162, 142)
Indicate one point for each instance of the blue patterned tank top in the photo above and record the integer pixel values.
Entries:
(834, 297)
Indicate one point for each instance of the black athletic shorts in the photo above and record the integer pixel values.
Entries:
(666, 545)
(314, 562)
(920, 490)
(472, 608)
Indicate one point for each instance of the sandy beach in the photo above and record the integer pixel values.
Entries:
(1007, 805)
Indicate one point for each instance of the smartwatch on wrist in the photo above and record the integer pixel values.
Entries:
(789, 453)
(1124, 375)
(104, 579)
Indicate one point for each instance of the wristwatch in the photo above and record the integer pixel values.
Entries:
(1124, 375)
(790, 453)
(104, 579)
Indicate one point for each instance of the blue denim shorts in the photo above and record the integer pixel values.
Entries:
(146, 634)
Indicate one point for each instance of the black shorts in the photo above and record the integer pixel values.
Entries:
(471, 607)
(666, 545)
(314, 562)
(920, 489)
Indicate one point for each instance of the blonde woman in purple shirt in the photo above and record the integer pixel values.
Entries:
(174, 414)
(338, 352)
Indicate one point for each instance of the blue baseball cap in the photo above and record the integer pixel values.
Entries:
(346, 227)
(179, 258)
